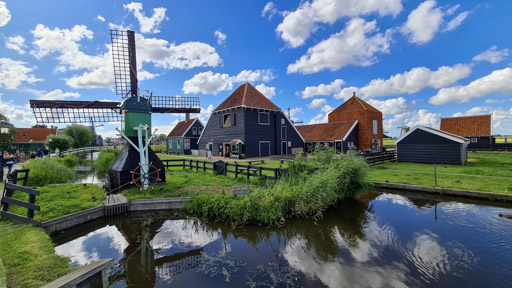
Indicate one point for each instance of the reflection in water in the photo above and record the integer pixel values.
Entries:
(380, 240)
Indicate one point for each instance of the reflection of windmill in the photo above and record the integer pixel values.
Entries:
(137, 163)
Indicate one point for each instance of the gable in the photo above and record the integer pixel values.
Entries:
(248, 96)
(181, 128)
(428, 135)
(326, 131)
(479, 125)
(354, 104)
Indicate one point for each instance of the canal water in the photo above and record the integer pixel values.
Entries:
(85, 173)
(379, 240)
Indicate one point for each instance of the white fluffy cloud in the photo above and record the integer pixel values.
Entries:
(210, 83)
(356, 45)
(323, 89)
(147, 24)
(320, 118)
(424, 22)
(317, 103)
(269, 9)
(410, 82)
(17, 114)
(59, 94)
(492, 55)
(391, 106)
(13, 73)
(16, 43)
(294, 112)
(298, 25)
(100, 18)
(221, 37)
(269, 92)
(5, 14)
(499, 81)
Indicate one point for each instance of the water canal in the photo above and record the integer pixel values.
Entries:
(379, 240)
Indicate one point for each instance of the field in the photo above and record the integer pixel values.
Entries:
(485, 171)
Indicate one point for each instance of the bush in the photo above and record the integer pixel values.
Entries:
(105, 160)
(70, 160)
(62, 142)
(82, 136)
(44, 171)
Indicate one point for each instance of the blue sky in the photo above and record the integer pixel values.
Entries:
(416, 61)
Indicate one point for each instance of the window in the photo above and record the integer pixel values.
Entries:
(186, 143)
(178, 145)
(375, 128)
(227, 120)
(283, 132)
(200, 130)
(474, 140)
(263, 118)
(170, 143)
(194, 130)
(282, 121)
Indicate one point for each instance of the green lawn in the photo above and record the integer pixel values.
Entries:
(28, 256)
(480, 164)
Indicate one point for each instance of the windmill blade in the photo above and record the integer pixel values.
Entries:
(170, 104)
(125, 62)
(58, 111)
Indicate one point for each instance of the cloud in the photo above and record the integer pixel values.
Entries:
(323, 89)
(499, 81)
(58, 95)
(351, 46)
(100, 18)
(18, 115)
(205, 114)
(221, 37)
(294, 112)
(424, 22)
(147, 25)
(390, 106)
(13, 73)
(298, 25)
(320, 118)
(16, 43)
(210, 83)
(424, 118)
(269, 9)
(492, 55)
(317, 103)
(5, 14)
(409, 82)
(269, 92)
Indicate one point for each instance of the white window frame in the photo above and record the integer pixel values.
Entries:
(170, 143)
(200, 130)
(375, 127)
(194, 130)
(186, 143)
(178, 146)
(259, 118)
(283, 137)
(282, 121)
(474, 140)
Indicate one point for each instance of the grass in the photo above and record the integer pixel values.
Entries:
(479, 163)
(59, 200)
(28, 256)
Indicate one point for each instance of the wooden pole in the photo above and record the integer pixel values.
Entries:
(236, 170)
(248, 172)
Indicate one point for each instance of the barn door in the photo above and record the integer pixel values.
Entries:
(264, 148)
(283, 148)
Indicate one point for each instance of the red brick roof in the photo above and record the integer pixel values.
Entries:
(325, 131)
(479, 125)
(181, 128)
(354, 104)
(247, 95)
(447, 133)
(33, 135)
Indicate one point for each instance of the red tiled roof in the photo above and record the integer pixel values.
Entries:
(33, 135)
(354, 104)
(247, 95)
(325, 131)
(448, 134)
(479, 125)
(181, 128)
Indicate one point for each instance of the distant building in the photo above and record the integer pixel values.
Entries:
(27, 139)
(249, 123)
(341, 135)
(476, 128)
(429, 145)
(183, 138)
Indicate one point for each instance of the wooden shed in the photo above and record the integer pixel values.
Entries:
(476, 128)
(183, 138)
(429, 145)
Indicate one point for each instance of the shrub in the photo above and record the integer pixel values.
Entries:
(82, 136)
(62, 142)
(105, 160)
(44, 171)
(70, 160)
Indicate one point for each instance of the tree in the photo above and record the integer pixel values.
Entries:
(63, 142)
(161, 137)
(39, 126)
(82, 136)
(7, 139)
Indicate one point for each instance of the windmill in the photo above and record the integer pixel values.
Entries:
(403, 129)
(136, 164)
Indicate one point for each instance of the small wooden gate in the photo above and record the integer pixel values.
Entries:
(7, 200)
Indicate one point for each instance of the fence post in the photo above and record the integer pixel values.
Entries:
(435, 174)
(190, 164)
(275, 174)
(31, 200)
(236, 170)
(260, 171)
(248, 172)
(204, 166)
(197, 165)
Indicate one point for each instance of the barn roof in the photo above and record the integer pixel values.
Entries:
(441, 133)
(326, 131)
(33, 135)
(479, 125)
(181, 128)
(248, 96)
(354, 104)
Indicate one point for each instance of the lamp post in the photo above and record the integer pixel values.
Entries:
(4, 131)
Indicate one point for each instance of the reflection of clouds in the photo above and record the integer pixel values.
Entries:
(340, 274)
(183, 234)
(84, 250)
(395, 199)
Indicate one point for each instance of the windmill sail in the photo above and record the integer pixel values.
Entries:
(125, 62)
(59, 111)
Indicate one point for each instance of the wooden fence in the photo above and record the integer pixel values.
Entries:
(7, 200)
(379, 157)
(225, 168)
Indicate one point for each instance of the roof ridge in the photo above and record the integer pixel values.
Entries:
(359, 101)
(245, 93)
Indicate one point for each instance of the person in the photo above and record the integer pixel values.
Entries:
(57, 152)
(39, 153)
(9, 163)
(22, 156)
(227, 152)
(17, 156)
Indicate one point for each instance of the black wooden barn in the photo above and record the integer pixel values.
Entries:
(249, 123)
(428, 145)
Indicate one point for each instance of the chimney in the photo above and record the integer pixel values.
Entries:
(187, 116)
(354, 93)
